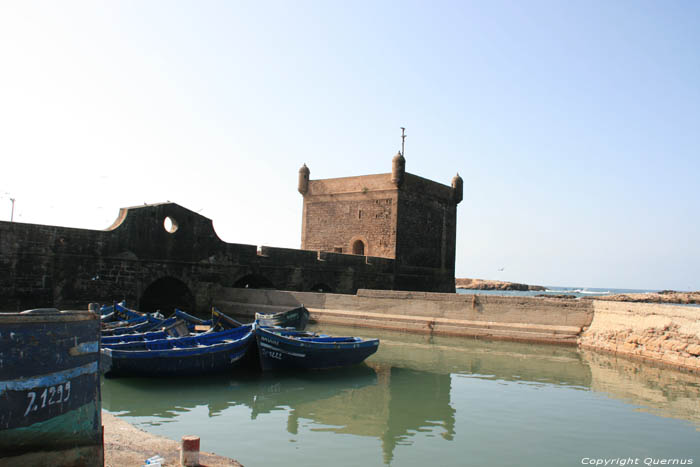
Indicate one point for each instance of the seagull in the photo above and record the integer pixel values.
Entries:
(501, 269)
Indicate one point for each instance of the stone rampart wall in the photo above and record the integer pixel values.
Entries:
(52, 266)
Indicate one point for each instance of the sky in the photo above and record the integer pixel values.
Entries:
(575, 125)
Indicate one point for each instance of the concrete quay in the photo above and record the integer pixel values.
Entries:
(659, 333)
(523, 319)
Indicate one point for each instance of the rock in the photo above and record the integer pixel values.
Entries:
(482, 284)
(665, 296)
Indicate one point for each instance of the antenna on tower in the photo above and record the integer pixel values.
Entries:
(403, 140)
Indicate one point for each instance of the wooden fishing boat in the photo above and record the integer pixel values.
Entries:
(286, 349)
(140, 324)
(207, 353)
(179, 325)
(118, 312)
(221, 321)
(106, 341)
(50, 388)
(295, 318)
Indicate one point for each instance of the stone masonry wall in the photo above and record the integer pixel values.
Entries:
(414, 223)
(425, 232)
(335, 225)
(137, 258)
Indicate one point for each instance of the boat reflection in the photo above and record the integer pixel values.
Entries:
(363, 400)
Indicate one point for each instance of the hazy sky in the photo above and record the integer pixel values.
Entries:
(575, 125)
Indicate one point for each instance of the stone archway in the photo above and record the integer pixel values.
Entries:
(359, 245)
(358, 248)
(166, 294)
(254, 281)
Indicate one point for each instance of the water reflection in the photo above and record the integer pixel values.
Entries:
(660, 391)
(363, 400)
(405, 391)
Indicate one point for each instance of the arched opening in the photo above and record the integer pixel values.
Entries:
(358, 248)
(321, 288)
(166, 294)
(254, 281)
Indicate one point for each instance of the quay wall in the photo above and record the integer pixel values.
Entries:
(524, 319)
(663, 334)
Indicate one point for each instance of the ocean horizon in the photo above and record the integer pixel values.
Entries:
(557, 290)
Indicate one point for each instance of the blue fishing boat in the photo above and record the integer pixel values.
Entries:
(50, 388)
(222, 321)
(179, 325)
(139, 324)
(295, 318)
(105, 341)
(287, 349)
(207, 353)
(118, 312)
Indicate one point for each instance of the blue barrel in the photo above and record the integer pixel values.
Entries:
(50, 407)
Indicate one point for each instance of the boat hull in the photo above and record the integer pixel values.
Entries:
(192, 361)
(278, 353)
(296, 318)
(50, 387)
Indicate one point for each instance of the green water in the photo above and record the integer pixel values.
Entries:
(432, 401)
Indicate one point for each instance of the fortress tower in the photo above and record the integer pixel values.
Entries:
(394, 215)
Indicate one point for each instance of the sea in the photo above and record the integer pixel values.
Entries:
(553, 290)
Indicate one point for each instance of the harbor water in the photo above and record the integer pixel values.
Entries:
(423, 400)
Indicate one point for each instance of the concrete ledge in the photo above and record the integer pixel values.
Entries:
(521, 332)
(665, 334)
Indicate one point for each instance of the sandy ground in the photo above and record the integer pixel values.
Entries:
(126, 446)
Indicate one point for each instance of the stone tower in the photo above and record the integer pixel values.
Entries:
(395, 215)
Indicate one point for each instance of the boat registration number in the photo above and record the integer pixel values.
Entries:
(275, 355)
(51, 395)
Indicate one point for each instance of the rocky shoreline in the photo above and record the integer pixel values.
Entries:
(665, 296)
(483, 284)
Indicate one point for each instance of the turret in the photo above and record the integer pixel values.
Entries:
(457, 187)
(303, 179)
(398, 169)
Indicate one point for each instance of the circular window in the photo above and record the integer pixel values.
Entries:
(170, 225)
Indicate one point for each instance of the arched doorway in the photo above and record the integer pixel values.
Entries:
(358, 247)
(166, 294)
(324, 288)
(254, 281)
